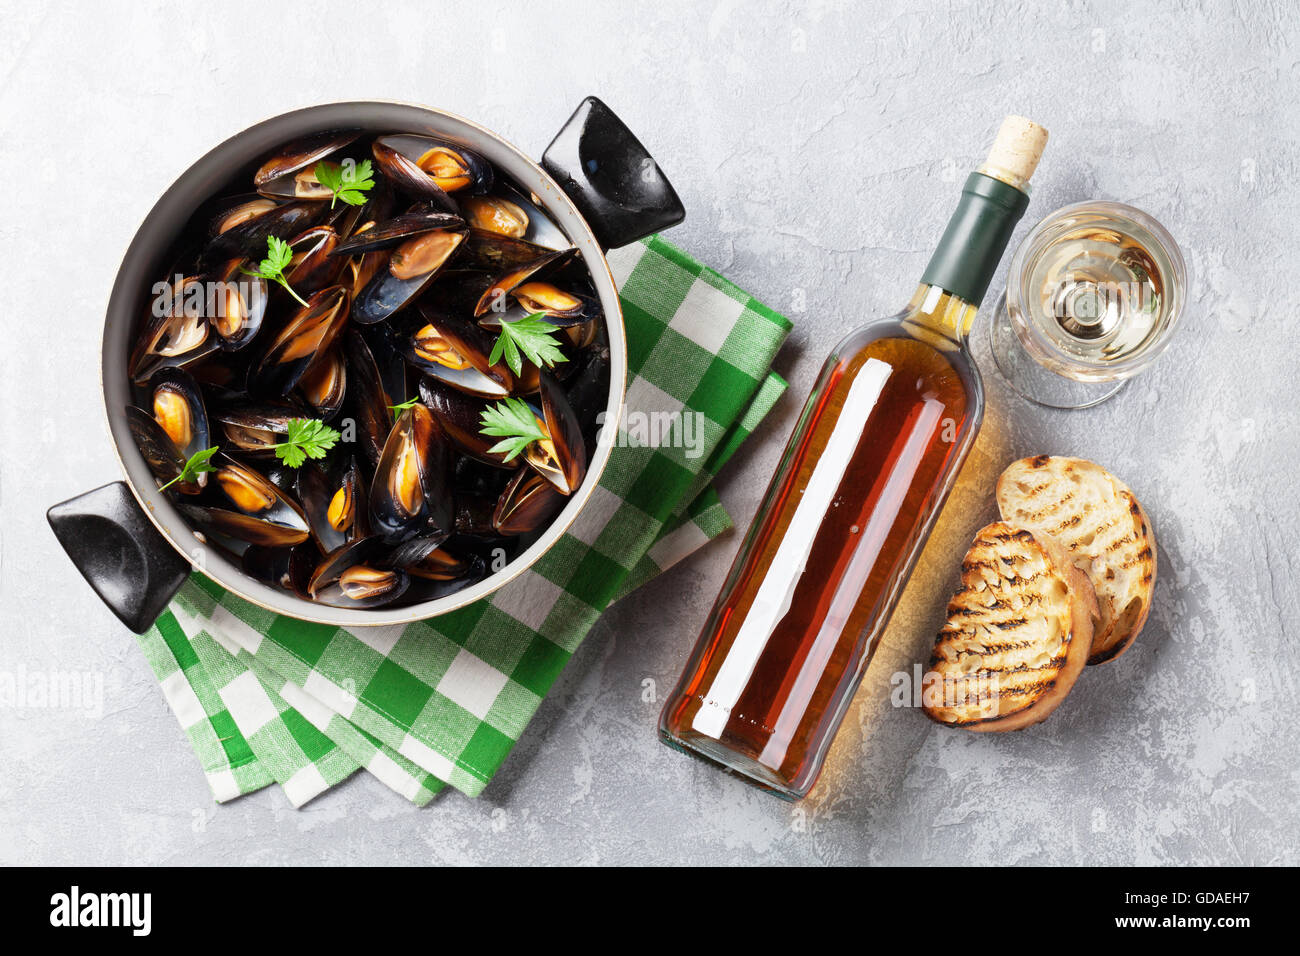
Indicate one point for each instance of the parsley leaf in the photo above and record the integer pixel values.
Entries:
(530, 335)
(348, 182)
(278, 257)
(199, 463)
(307, 438)
(409, 403)
(514, 423)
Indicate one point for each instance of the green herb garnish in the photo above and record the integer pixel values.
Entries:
(307, 438)
(514, 423)
(278, 257)
(198, 464)
(349, 182)
(530, 335)
(409, 403)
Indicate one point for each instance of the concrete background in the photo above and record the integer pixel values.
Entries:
(818, 150)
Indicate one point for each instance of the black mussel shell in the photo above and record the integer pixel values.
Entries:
(178, 406)
(158, 450)
(335, 501)
(455, 351)
(275, 176)
(324, 384)
(236, 304)
(314, 265)
(420, 218)
(368, 403)
(289, 568)
(176, 330)
(502, 214)
(237, 237)
(238, 489)
(496, 296)
(529, 502)
(305, 338)
(563, 459)
(410, 494)
(358, 575)
(460, 416)
(430, 168)
(409, 270)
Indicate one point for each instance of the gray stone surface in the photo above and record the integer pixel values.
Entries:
(818, 151)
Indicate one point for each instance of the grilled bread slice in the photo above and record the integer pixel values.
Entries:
(1017, 636)
(1108, 535)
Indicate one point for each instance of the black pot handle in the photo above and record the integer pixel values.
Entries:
(615, 183)
(131, 566)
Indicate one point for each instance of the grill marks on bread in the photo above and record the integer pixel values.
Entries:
(1017, 635)
(1101, 523)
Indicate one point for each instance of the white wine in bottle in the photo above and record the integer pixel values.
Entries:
(871, 461)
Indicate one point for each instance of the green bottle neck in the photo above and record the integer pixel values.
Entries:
(977, 235)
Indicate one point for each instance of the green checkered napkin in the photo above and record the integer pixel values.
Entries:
(266, 698)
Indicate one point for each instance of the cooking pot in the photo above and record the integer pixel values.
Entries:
(595, 180)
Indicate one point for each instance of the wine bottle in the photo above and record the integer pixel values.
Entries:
(872, 459)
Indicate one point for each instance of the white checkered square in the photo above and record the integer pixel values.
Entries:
(472, 683)
(706, 317)
(529, 597)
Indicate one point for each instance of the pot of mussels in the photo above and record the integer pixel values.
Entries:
(363, 363)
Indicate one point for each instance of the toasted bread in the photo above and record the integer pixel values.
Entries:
(1018, 633)
(1108, 535)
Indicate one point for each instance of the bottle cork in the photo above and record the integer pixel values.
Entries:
(1016, 151)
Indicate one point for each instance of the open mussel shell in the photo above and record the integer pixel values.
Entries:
(409, 270)
(238, 489)
(410, 494)
(368, 403)
(241, 231)
(276, 177)
(431, 168)
(314, 265)
(160, 453)
(290, 568)
(460, 416)
(236, 304)
(333, 496)
(305, 337)
(510, 215)
(420, 218)
(496, 296)
(358, 575)
(562, 458)
(324, 384)
(176, 330)
(178, 407)
(455, 351)
(528, 503)
(253, 427)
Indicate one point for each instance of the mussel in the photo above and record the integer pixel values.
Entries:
(460, 415)
(241, 229)
(409, 270)
(333, 495)
(529, 502)
(176, 330)
(455, 351)
(428, 168)
(358, 575)
(306, 337)
(410, 494)
(290, 172)
(314, 264)
(248, 509)
(178, 406)
(560, 458)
